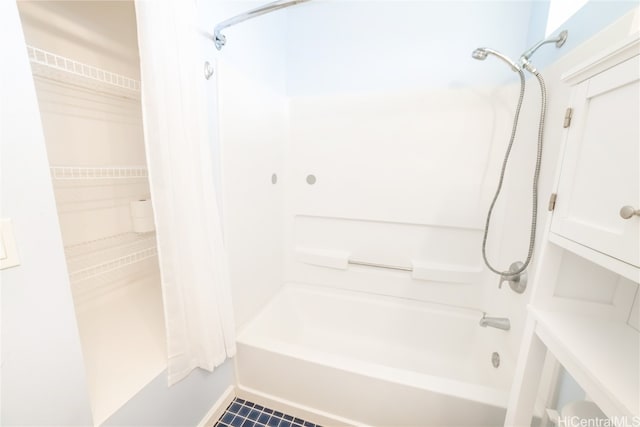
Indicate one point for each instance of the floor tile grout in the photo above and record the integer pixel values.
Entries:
(274, 418)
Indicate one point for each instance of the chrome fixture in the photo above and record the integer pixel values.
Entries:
(220, 39)
(495, 322)
(627, 212)
(311, 179)
(495, 359)
(524, 58)
(559, 41)
(378, 265)
(517, 281)
(481, 54)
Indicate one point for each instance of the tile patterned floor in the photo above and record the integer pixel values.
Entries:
(242, 413)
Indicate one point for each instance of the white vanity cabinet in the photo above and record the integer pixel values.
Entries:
(601, 167)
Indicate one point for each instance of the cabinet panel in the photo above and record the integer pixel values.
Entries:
(600, 172)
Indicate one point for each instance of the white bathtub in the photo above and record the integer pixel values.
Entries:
(375, 360)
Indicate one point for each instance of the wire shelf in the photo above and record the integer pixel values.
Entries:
(98, 257)
(120, 279)
(87, 173)
(57, 67)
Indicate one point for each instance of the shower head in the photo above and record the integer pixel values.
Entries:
(558, 41)
(481, 54)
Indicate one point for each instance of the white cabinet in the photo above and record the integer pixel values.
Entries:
(584, 307)
(601, 169)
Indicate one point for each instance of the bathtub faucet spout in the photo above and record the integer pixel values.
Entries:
(495, 322)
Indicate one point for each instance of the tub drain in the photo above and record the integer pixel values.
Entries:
(495, 359)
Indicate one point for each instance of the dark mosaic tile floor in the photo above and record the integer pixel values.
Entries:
(241, 413)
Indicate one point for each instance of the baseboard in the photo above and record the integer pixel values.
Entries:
(218, 408)
(291, 408)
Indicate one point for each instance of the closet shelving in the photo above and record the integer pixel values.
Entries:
(93, 129)
(94, 258)
(81, 188)
(91, 173)
(92, 263)
(100, 257)
(60, 68)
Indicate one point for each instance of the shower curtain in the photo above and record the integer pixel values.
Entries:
(193, 265)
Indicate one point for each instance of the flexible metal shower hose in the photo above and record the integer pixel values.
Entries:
(536, 176)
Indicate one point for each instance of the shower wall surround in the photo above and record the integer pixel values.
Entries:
(405, 155)
(397, 184)
(252, 115)
(405, 136)
(253, 134)
(379, 144)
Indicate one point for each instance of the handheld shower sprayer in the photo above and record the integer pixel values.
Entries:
(481, 54)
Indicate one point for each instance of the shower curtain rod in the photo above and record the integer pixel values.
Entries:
(220, 39)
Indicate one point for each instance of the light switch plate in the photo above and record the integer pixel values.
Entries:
(8, 249)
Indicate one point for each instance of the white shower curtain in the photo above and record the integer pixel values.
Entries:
(193, 264)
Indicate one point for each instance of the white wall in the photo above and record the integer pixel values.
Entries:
(42, 379)
(382, 46)
(183, 404)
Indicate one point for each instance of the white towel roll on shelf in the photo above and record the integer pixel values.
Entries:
(142, 216)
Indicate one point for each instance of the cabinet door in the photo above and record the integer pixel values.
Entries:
(600, 167)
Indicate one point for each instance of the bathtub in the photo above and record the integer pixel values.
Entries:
(374, 360)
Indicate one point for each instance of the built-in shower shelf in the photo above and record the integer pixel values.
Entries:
(603, 355)
(98, 257)
(71, 173)
(60, 68)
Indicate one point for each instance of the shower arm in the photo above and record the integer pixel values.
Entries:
(559, 41)
(220, 39)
